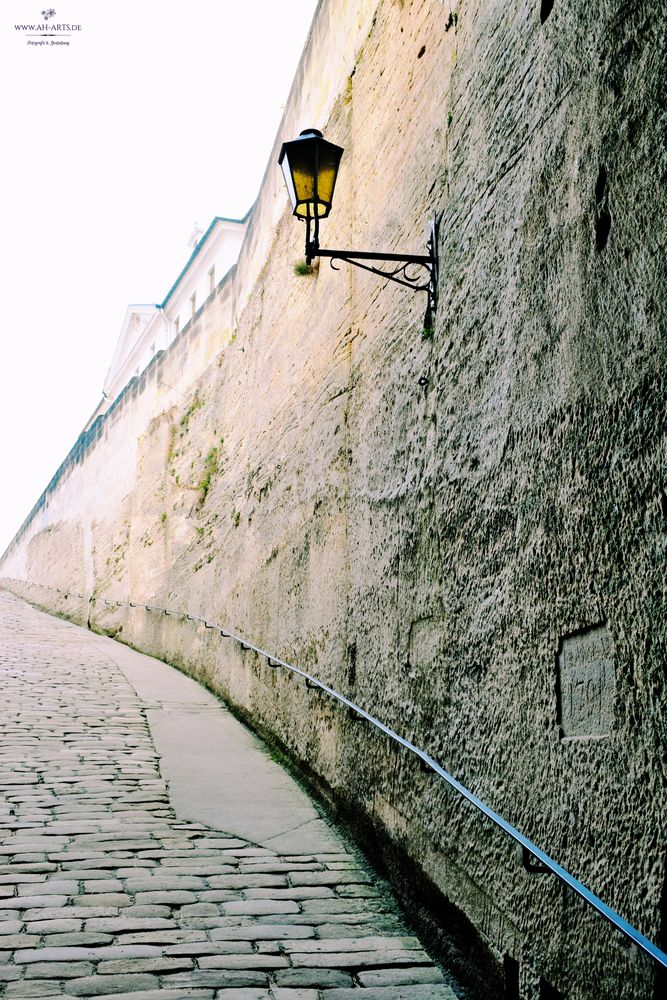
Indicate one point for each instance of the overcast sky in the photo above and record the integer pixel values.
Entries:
(157, 115)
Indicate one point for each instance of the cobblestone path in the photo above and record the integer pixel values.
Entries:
(105, 893)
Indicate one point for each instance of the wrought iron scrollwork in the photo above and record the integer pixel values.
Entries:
(416, 271)
(399, 274)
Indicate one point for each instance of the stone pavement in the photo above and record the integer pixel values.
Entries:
(110, 887)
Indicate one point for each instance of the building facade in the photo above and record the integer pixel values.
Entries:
(149, 329)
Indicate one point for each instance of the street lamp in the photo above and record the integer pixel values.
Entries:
(310, 167)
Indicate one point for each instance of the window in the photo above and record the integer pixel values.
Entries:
(177, 326)
(193, 303)
(211, 279)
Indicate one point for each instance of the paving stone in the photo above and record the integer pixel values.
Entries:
(94, 954)
(332, 905)
(96, 985)
(207, 923)
(222, 843)
(10, 926)
(162, 964)
(130, 867)
(32, 902)
(264, 947)
(401, 977)
(328, 878)
(357, 891)
(205, 909)
(102, 885)
(426, 992)
(80, 939)
(313, 978)
(257, 932)
(247, 881)
(116, 900)
(118, 925)
(165, 937)
(50, 888)
(36, 868)
(9, 972)
(249, 852)
(163, 884)
(69, 912)
(277, 867)
(23, 878)
(377, 944)
(59, 970)
(293, 892)
(175, 898)
(242, 961)
(260, 907)
(364, 926)
(29, 989)
(82, 861)
(210, 948)
(244, 994)
(358, 959)
(147, 910)
(194, 866)
(10, 941)
(287, 993)
(217, 978)
(317, 918)
(219, 895)
(20, 846)
(24, 852)
(172, 994)
(94, 874)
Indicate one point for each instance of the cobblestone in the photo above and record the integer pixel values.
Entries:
(106, 893)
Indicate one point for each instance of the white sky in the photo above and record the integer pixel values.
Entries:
(156, 115)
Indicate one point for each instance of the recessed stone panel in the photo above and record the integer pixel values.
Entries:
(586, 680)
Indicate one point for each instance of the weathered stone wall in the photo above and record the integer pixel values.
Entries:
(477, 560)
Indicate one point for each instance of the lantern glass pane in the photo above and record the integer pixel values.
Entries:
(288, 181)
(329, 158)
(304, 181)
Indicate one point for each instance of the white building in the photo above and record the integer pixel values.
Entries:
(148, 329)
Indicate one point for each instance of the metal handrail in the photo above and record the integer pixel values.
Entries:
(529, 850)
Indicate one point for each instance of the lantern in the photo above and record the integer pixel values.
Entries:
(310, 166)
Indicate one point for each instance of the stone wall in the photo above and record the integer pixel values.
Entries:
(463, 532)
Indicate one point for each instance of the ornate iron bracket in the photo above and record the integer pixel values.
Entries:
(416, 271)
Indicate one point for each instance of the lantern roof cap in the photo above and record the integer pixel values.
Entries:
(306, 133)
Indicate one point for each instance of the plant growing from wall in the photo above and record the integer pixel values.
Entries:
(195, 405)
(171, 451)
(210, 469)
